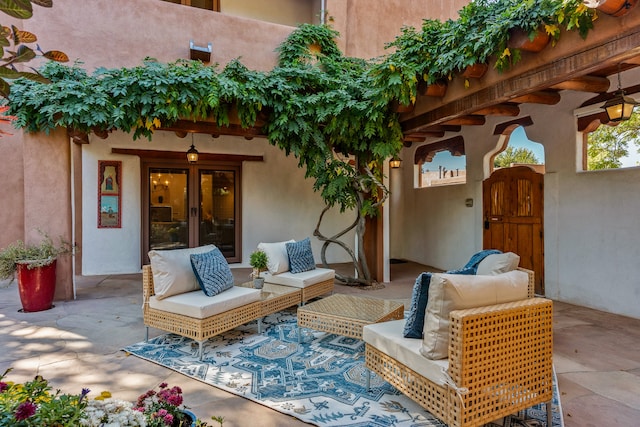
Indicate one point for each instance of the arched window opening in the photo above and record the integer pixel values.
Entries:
(441, 163)
(519, 150)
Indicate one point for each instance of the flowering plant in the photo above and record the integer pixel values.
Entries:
(33, 404)
(162, 408)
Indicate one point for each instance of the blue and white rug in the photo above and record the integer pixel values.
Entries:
(321, 381)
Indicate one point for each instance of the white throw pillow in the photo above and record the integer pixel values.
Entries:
(448, 292)
(498, 264)
(277, 258)
(172, 271)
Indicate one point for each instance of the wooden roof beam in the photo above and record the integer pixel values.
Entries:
(428, 134)
(585, 84)
(555, 68)
(546, 97)
(468, 120)
(511, 110)
(182, 126)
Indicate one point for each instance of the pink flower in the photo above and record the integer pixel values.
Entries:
(175, 400)
(162, 412)
(25, 410)
(168, 419)
(163, 385)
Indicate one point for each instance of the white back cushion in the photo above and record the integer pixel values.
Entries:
(448, 292)
(498, 264)
(277, 258)
(172, 271)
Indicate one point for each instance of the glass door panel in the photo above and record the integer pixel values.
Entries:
(218, 210)
(168, 208)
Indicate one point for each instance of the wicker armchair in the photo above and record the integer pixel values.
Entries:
(500, 362)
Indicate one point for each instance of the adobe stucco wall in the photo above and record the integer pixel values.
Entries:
(366, 26)
(591, 226)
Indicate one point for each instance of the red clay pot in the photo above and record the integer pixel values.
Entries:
(616, 7)
(475, 71)
(519, 39)
(437, 89)
(36, 286)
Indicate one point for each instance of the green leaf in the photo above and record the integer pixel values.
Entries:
(20, 9)
(8, 73)
(24, 54)
(43, 3)
(5, 89)
(34, 77)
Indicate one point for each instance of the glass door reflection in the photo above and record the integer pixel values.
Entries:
(218, 210)
(168, 208)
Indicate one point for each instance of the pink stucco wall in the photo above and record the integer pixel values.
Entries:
(36, 169)
(365, 26)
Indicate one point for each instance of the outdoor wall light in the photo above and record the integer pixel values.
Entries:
(199, 52)
(395, 162)
(192, 153)
(620, 107)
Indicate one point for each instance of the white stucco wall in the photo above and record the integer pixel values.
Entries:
(591, 221)
(278, 203)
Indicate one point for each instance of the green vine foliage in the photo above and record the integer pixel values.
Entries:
(317, 104)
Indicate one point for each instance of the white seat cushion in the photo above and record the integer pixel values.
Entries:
(301, 280)
(387, 337)
(199, 306)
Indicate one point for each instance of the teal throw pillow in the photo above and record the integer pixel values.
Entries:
(212, 272)
(300, 256)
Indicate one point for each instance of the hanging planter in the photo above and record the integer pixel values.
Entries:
(402, 108)
(613, 7)
(437, 89)
(519, 39)
(475, 71)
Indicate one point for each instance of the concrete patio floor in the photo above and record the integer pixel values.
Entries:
(77, 344)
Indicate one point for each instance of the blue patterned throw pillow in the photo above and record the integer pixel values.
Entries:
(300, 256)
(414, 324)
(212, 271)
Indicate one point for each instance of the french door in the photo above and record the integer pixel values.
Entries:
(191, 205)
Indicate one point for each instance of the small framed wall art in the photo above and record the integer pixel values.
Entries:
(109, 193)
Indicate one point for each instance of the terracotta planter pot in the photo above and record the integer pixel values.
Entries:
(402, 108)
(475, 71)
(519, 39)
(437, 89)
(36, 286)
(615, 7)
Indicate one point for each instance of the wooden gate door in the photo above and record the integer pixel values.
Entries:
(513, 208)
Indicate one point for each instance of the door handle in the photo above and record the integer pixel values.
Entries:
(194, 211)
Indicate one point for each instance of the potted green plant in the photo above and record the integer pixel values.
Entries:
(258, 260)
(35, 268)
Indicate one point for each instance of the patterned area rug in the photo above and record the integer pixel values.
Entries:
(321, 381)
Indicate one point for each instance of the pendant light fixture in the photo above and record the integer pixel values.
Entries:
(192, 153)
(620, 107)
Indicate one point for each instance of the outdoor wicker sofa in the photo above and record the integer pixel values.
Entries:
(198, 329)
(499, 361)
(175, 303)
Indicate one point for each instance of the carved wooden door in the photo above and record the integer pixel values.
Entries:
(513, 212)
